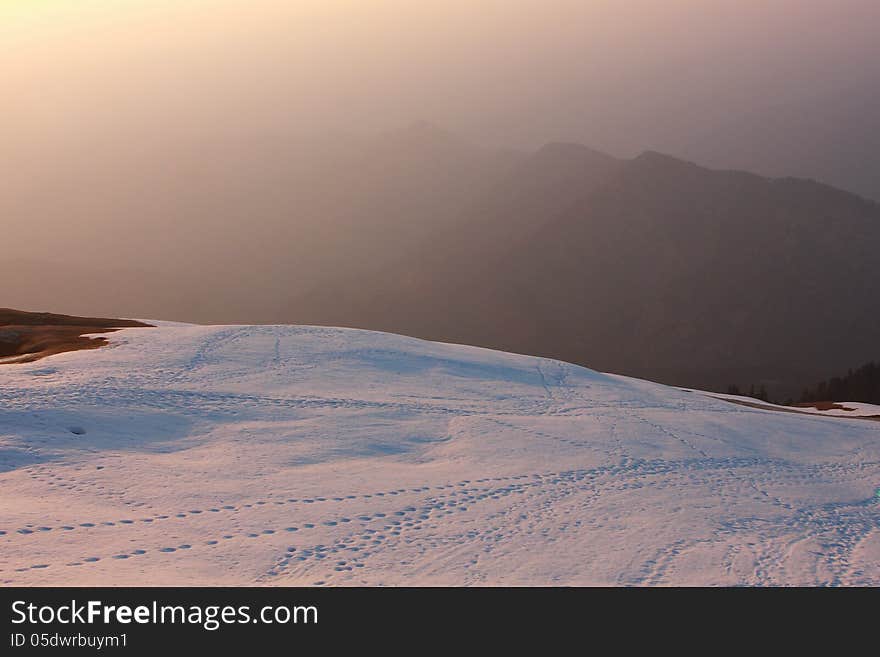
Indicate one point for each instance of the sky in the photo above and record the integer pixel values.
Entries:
(621, 75)
(148, 131)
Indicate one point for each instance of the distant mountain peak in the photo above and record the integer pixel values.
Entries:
(658, 158)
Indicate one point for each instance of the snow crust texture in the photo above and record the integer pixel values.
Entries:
(232, 455)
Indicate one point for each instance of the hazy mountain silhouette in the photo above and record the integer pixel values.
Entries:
(653, 267)
(832, 136)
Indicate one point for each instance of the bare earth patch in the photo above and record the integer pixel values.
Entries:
(28, 336)
(821, 406)
(824, 406)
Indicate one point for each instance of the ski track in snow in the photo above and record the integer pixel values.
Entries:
(319, 456)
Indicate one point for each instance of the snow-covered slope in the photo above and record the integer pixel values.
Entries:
(301, 455)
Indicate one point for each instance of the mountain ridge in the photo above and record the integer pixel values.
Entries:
(653, 266)
(703, 237)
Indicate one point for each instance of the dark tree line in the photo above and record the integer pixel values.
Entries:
(756, 393)
(861, 385)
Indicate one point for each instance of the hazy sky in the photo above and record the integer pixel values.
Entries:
(623, 75)
(165, 135)
(111, 109)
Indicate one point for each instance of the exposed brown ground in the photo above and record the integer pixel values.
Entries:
(27, 336)
(829, 405)
(824, 406)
